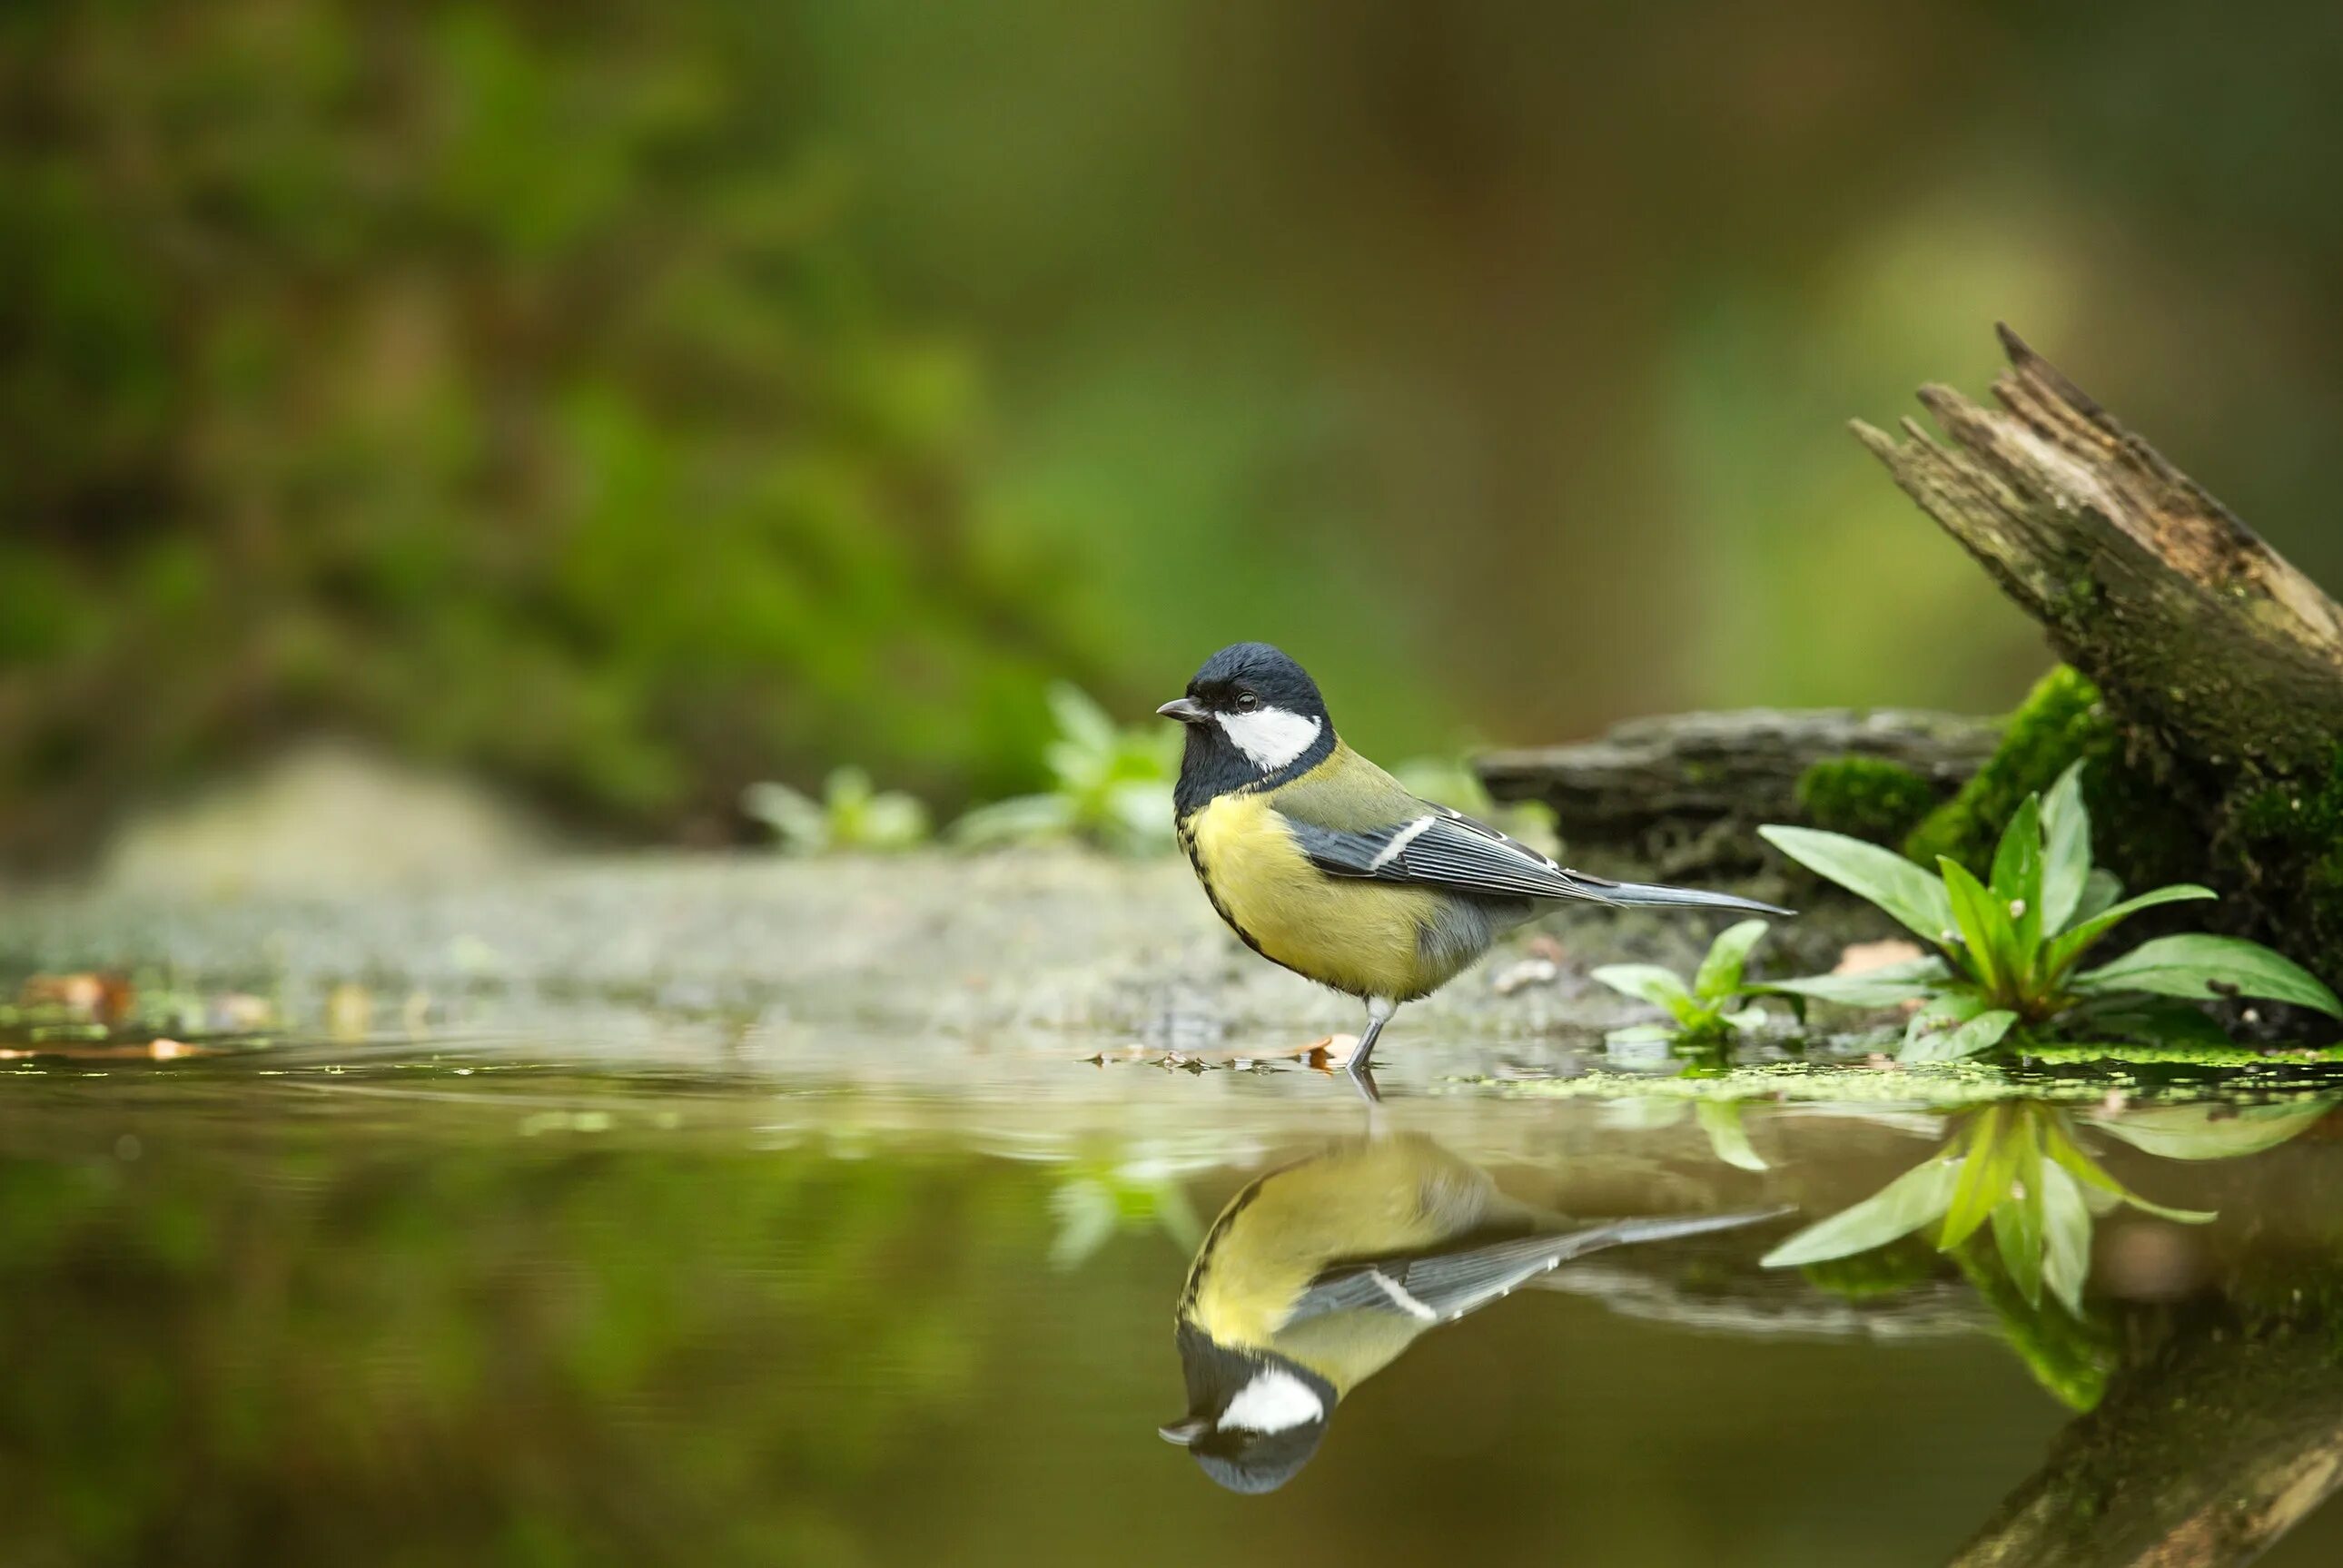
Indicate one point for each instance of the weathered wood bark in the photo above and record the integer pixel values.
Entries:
(2197, 631)
(2217, 1439)
(1680, 795)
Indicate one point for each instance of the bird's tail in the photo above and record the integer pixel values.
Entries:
(1653, 896)
(1663, 1228)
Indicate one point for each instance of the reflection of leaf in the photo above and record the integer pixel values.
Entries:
(2068, 1355)
(2066, 1236)
(1986, 1177)
(1727, 1138)
(2017, 1225)
(1903, 1206)
(1085, 1209)
(2060, 1145)
(2210, 1131)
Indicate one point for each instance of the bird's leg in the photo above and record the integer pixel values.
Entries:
(1379, 1011)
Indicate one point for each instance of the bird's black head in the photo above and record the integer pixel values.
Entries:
(1254, 718)
(1252, 1421)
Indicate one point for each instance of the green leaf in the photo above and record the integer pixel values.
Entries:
(2066, 1238)
(1882, 987)
(1985, 1176)
(2210, 1131)
(1913, 1199)
(2066, 850)
(2066, 949)
(2101, 890)
(1727, 1138)
(1903, 889)
(1022, 818)
(2203, 966)
(1986, 935)
(2018, 1224)
(797, 818)
(1947, 1010)
(1981, 1032)
(1720, 972)
(2017, 881)
(2164, 1022)
(1648, 982)
(1080, 719)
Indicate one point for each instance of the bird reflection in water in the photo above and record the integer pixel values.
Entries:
(1318, 1275)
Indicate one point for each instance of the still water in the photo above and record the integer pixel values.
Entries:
(630, 1295)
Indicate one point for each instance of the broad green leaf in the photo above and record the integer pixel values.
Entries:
(1903, 889)
(1986, 935)
(1883, 987)
(1914, 1198)
(2066, 1238)
(797, 818)
(2210, 1131)
(2066, 850)
(1647, 982)
(1020, 819)
(1720, 972)
(2101, 890)
(2018, 1224)
(2017, 881)
(1981, 1032)
(2064, 950)
(1080, 719)
(2163, 1022)
(1985, 1176)
(1945, 1010)
(1727, 1138)
(2205, 966)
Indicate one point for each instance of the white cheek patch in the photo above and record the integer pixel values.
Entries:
(1269, 737)
(1274, 1401)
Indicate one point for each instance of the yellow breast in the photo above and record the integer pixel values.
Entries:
(1359, 936)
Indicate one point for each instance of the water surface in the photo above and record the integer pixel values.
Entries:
(651, 1289)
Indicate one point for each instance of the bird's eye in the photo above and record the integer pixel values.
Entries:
(1247, 702)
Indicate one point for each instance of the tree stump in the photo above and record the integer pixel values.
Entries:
(2197, 632)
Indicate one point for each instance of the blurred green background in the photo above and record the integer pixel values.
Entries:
(624, 402)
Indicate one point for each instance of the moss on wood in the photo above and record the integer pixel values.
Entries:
(1866, 797)
(2139, 828)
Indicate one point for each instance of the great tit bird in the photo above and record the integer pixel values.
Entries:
(1317, 1276)
(1324, 863)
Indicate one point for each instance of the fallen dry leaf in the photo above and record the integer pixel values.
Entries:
(1335, 1050)
(1862, 958)
(103, 998)
(1527, 973)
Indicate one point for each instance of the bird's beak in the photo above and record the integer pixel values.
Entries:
(1186, 710)
(1184, 1432)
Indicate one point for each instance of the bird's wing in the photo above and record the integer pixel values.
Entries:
(1444, 847)
(1437, 1287)
(1434, 845)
